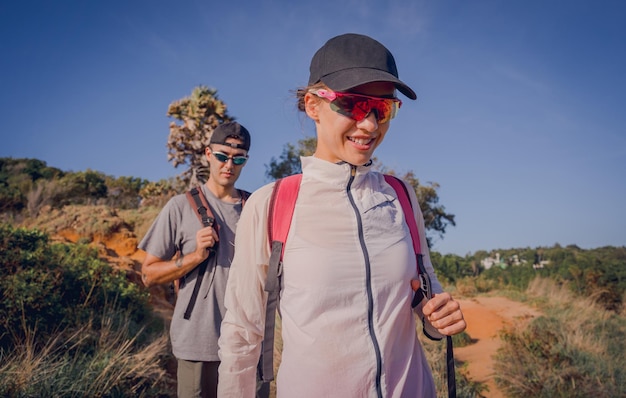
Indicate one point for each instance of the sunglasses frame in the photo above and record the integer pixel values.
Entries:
(224, 158)
(393, 104)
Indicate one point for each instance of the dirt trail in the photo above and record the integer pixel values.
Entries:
(485, 317)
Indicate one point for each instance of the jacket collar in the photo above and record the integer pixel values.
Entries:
(332, 173)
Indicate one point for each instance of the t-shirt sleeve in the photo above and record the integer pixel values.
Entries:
(161, 238)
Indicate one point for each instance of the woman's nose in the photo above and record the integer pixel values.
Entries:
(369, 122)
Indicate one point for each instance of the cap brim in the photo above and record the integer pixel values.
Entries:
(348, 78)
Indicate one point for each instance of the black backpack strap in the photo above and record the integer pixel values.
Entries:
(272, 287)
(450, 368)
(197, 199)
(244, 195)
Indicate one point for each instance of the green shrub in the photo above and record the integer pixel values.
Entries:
(72, 325)
(50, 286)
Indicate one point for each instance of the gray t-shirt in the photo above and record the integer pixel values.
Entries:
(175, 230)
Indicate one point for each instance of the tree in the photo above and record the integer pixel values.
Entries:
(83, 187)
(18, 177)
(197, 115)
(289, 161)
(158, 193)
(123, 192)
(435, 217)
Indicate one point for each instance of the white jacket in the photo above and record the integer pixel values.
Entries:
(347, 325)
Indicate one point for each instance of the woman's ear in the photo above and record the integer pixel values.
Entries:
(311, 104)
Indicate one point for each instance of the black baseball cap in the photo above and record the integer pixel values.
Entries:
(351, 59)
(231, 130)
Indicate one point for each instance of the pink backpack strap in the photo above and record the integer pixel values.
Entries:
(407, 208)
(285, 193)
(281, 208)
(425, 290)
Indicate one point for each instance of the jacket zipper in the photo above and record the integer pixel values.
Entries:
(368, 284)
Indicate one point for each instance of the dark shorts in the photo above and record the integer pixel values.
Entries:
(197, 379)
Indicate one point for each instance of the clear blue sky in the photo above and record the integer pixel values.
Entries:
(520, 116)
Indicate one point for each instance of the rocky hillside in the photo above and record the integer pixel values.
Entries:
(115, 234)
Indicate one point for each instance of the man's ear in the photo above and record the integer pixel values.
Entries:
(311, 106)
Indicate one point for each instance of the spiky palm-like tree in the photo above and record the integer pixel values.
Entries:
(196, 118)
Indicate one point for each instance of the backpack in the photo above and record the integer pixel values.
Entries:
(283, 199)
(197, 199)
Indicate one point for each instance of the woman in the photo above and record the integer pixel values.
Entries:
(349, 271)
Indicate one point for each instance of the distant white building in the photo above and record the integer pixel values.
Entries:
(490, 261)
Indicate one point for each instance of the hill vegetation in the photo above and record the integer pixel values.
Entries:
(598, 273)
(75, 320)
(574, 350)
(29, 185)
(74, 326)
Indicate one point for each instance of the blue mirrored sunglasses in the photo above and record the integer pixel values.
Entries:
(238, 160)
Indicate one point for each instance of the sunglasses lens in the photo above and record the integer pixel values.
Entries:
(343, 106)
(237, 160)
(385, 110)
(358, 107)
(221, 157)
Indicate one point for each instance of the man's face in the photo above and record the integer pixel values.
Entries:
(222, 162)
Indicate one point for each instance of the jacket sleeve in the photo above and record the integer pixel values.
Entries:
(430, 331)
(245, 300)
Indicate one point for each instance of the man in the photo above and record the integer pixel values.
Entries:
(195, 327)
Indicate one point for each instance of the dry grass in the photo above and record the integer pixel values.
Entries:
(85, 220)
(575, 350)
(88, 221)
(469, 287)
(140, 219)
(576, 312)
(81, 364)
(91, 222)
